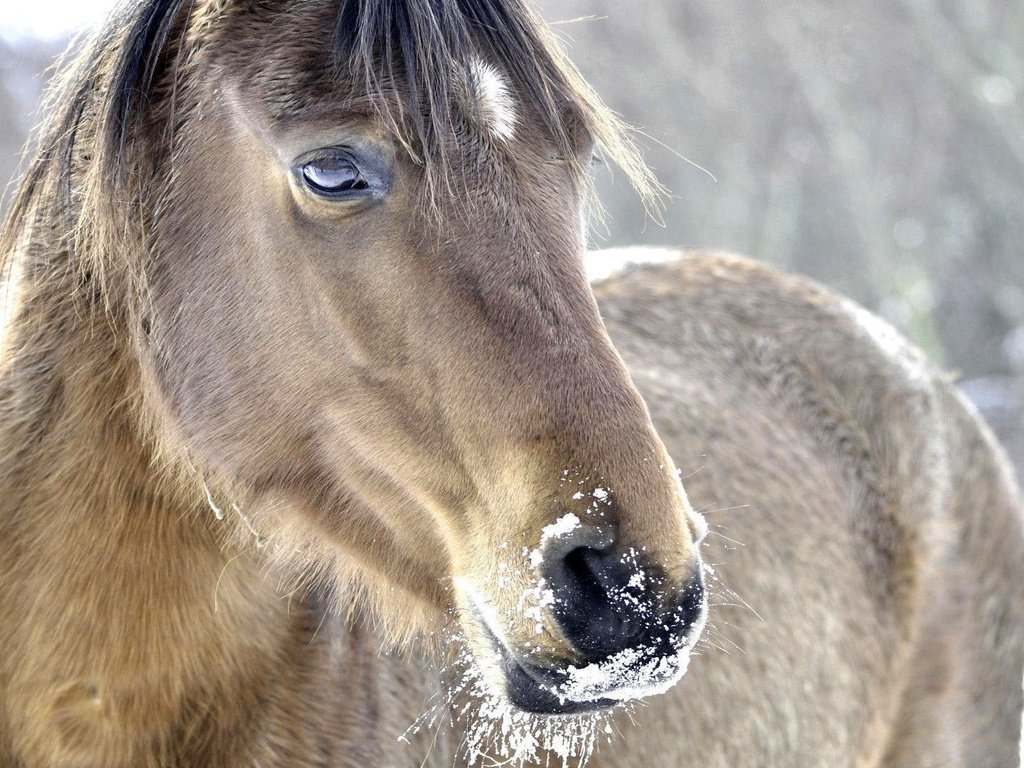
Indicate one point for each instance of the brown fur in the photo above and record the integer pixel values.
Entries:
(879, 531)
(393, 398)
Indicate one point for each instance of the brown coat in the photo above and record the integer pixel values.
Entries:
(312, 435)
(867, 607)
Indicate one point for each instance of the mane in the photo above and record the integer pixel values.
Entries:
(433, 43)
(103, 110)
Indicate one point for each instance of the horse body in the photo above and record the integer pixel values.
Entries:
(871, 521)
(300, 362)
(874, 522)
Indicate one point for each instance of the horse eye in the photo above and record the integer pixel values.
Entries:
(333, 175)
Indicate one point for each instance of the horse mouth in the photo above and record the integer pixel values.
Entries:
(598, 685)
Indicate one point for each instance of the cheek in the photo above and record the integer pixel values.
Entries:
(229, 391)
(264, 315)
(236, 348)
(256, 344)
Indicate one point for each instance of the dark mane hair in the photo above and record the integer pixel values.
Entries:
(433, 42)
(85, 171)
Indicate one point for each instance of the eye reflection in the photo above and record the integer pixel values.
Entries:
(333, 175)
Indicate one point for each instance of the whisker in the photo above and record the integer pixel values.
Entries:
(710, 644)
(723, 509)
(725, 638)
(223, 570)
(682, 157)
(732, 593)
(691, 474)
(723, 536)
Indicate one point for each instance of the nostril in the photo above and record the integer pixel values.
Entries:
(583, 567)
(593, 602)
(607, 600)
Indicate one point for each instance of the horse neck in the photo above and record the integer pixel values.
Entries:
(76, 457)
(114, 586)
(112, 581)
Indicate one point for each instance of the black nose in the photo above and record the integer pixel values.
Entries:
(607, 600)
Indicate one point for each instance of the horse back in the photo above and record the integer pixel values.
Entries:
(866, 543)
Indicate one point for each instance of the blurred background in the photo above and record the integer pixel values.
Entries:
(876, 146)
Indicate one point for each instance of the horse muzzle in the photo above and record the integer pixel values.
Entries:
(630, 635)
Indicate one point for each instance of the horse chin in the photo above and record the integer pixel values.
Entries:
(533, 688)
(633, 675)
(571, 688)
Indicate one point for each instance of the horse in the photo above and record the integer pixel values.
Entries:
(317, 451)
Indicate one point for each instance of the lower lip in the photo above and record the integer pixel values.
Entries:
(529, 687)
(532, 688)
(531, 694)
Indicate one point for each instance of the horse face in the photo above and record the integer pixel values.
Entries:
(416, 374)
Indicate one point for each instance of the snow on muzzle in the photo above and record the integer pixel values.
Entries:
(630, 631)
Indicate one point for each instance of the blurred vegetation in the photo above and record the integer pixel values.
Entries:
(876, 146)
(24, 67)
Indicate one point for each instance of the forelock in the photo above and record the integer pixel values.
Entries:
(411, 59)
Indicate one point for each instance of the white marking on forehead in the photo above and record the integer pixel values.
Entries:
(495, 100)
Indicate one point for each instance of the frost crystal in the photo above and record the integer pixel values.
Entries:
(625, 676)
(563, 526)
(493, 732)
